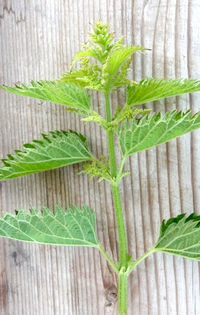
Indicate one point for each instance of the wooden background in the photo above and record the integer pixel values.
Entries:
(37, 41)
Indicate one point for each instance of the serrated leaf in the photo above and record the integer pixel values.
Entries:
(154, 89)
(118, 56)
(152, 130)
(71, 227)
(88, 76)
(58, 92)
(59, 148)
(90, 52)
(180, 236)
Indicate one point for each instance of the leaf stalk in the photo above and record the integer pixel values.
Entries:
(115, 268)
(135, 263)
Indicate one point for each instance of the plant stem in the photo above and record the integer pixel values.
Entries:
(122, 293)
(115, 188)
(123, 259)
(110, 134)
(120, 226)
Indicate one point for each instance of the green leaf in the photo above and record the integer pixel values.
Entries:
(180, 236)
(58, 149)
(99, 45)
(152, 130)
(118, 56)
(154, 89)
(71, 227)
(58, 92)
(88, 76)
(90, 52)
(120, 79)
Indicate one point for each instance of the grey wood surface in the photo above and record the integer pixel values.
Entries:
(37, 41)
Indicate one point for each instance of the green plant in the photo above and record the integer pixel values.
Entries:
(103, 66)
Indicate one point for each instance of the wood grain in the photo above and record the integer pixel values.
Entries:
(37, 41)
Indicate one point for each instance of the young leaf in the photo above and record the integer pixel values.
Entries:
(90, 52)
(154, 89)
(99, 44)
(88, 76)
(71, 227)
(152, 130)
(180, 236)
(113, 60)
(58, 149)
(119, 79)
(116, 68)
(118, 56)
(58, 92)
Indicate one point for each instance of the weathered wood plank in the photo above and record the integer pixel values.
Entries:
(38, 40)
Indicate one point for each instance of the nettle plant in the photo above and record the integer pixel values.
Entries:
(103, 66)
